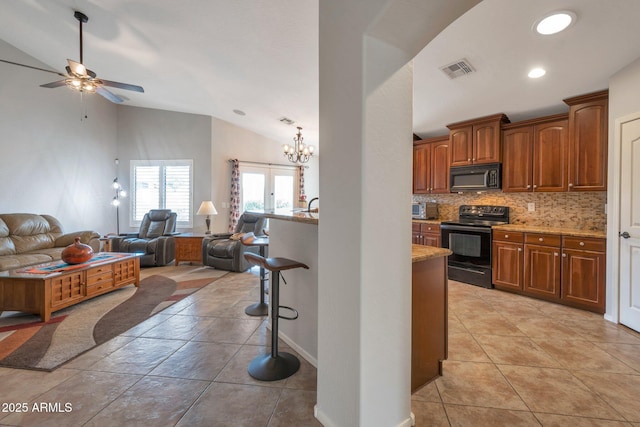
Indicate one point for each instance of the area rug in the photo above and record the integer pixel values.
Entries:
(28, 343)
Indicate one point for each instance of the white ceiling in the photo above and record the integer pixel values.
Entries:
(213, 56)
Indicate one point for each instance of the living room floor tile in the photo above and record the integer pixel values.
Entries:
(139, 356)
(429, 414)
(152, 401)
(179, 327)
(236, 370)
(197, 360)
(489, 417)
(553, 420)
(234, 331)
(515, 351)
(463, 347)
(619, 390)
(19, 385)
(295, 408)
(583, 354)
(223, 405)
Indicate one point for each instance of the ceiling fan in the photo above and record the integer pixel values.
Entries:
(80, 78)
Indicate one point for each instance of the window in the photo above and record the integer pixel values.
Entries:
(162, 184)
(267, 187)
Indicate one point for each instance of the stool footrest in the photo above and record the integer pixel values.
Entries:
(287, 308)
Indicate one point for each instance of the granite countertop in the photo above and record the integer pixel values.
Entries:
(423, 253)
(428, 221)
(551, 230)
(290, 215)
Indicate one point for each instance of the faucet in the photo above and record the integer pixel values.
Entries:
(309, 206)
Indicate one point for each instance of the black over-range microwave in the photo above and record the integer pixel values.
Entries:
(476, 178)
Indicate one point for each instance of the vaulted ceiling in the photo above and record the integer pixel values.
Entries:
(261, 57)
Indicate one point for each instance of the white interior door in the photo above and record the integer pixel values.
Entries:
(267, 187)
(630, 224)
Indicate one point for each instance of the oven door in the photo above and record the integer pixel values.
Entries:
(470, 261)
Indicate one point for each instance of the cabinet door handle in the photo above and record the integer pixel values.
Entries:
(581, 243)
(468, 160)
(564, 255)
(519, 249)
(540, 239)
(474, 159)
(528, 185)
(506, 236)
(570, 185)
(555, 254)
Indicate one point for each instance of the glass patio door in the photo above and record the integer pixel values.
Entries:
(267, 187)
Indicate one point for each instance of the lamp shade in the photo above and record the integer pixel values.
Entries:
(207, 208)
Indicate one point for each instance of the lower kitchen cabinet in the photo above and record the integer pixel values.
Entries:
(426, 234)
(564, 269)
(508, 261)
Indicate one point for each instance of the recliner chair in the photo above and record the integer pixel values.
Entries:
(154, 240)
(224, 253)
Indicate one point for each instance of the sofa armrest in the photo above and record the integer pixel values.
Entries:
(88, 237)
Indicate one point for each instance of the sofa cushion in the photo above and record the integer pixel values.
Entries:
(223, 248)
(28, 231)
(9, 262)
(6, 244)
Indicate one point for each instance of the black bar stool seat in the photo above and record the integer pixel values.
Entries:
(262, 242)
(275, 366)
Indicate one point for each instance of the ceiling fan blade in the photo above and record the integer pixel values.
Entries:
(32, 67)
(77, 68)
(55, 84)
(109, 95)
(122, 85)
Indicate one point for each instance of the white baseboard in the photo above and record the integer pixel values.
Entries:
(326, 421)
(305, 355)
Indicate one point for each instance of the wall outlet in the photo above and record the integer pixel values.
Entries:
(531, 207)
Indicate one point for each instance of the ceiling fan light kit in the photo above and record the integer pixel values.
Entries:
(80, 78)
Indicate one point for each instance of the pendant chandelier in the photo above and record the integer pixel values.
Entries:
(299, 152)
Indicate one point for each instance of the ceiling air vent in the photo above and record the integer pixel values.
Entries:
(458, 69)
(286, 121)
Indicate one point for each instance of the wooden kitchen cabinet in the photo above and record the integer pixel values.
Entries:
(431, 166)
(588, 136)
(476, 141)
(583, 273)
(535, 154)
(508, 260)
(426, 234)
(564, 269)
(542, 266)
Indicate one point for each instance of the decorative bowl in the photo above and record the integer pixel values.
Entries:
(77, 253)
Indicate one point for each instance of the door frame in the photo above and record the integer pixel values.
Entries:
(612, 312)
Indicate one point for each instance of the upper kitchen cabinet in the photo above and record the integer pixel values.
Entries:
(588, 130)
(431, 165)
(476, 141)
(535, 155)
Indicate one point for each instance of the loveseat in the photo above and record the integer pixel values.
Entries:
(27, 239)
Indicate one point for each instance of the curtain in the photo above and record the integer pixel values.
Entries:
(303, 196)
(234, 212)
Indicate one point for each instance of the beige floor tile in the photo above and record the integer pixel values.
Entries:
(556, 391)
(87, 393)
(145, 326)
(455, 325)
(305, 378)
(620, 391)
(604, 332)
(477, 384)
(489, 324)
(489, 417)
(236, 370)
(179, 327)
(235, 405)
(541, 327)
(197, 360)
(20, 385)
(515, 351)
(627, 353)
(463, 347)
(86, 360)
(429, 414)
(140, 356)
(233, 331)
(295, 408)
(583, 355)
(428, 393)
(153, 401)
(552, 420)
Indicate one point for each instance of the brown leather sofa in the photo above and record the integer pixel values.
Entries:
(27, 239)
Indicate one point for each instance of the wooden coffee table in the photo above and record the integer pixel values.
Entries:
(43, 289)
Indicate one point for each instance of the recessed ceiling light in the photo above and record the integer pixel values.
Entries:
(554, 23)
(537, 72)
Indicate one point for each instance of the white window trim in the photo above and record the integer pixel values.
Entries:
(162, 163)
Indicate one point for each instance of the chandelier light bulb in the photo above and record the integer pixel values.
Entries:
(298, 152)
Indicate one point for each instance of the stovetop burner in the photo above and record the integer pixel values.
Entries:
(481, 216)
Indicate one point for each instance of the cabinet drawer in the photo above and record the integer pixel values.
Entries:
(584, 243)
(430, 228)
(100, 278)
(415, 227)
(542, 239)
(508, 236)
(99, 270)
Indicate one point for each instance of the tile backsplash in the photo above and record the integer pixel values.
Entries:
(584, 210)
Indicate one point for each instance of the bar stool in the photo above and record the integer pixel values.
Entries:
(275, 366)
(260, 308)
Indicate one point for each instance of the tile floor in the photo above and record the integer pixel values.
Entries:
(513, 361)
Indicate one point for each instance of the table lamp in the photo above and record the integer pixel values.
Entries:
(207, 208)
